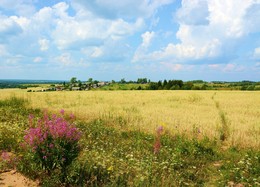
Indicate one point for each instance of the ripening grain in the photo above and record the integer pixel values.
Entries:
(194, 113)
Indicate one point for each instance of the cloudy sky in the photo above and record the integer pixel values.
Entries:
(112, 39)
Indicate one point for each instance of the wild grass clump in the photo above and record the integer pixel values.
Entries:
(13, 122)
(224, 129)
(14, 102)
(242, 168)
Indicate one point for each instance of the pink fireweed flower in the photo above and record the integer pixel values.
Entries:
(31, 117)
(45, 115)
(34, 148)
(72, 116)
(159, 130)
(5, 156)
(52, 138)
(54, 116)
(62, 111)
(157, 144)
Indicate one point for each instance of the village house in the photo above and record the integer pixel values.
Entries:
(75, 88)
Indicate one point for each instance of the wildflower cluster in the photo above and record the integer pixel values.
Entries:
(8, 160)
(53, 141)
(157, 144)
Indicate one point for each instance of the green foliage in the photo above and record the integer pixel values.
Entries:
(73, 80)
(119, 86)
(122, 81)
(13, 121)
(243, 169)
(142, 81)
(169, 85)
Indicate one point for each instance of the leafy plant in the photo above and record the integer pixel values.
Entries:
(53, 141)
(243, 170)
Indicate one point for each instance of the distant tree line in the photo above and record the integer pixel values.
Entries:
(15, 85)
(23, 84)
(175, 85)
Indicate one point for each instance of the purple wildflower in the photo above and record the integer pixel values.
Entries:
(50, 136)
(5, 156)
(62, 111)
(159, 130)
(157, 144)
(72, 116)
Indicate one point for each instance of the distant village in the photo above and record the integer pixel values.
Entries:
(73, 85)
(82, 86)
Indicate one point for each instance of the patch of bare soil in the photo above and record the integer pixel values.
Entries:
(14, 179)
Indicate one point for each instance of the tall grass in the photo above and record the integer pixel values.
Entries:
(224, 129)
(144, 110)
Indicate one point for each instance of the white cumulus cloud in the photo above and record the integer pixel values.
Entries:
(37, 60)
(97, 52)
(173, 67)
(208, 29)
(44, 44)
(65, 59)
(19, 7)
(256, 54)
(147, 38)
(3, 51)
(8, 26)
(233, 68)
(86, 29)
(193, 12)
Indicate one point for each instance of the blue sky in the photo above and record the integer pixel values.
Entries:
(111, 39)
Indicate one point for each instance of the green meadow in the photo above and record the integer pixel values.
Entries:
(141, 138)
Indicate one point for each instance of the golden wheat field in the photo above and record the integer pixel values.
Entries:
(194, 113)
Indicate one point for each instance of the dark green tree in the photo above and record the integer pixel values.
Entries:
(90, 80)
(164, 84)
(79, 83)
(160, 86)
(123, 81)
(73, 80)
(153, 86)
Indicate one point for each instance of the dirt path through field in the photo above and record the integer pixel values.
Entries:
(15, 179)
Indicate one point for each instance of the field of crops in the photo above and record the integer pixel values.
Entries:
(140, 138)
(179, 111)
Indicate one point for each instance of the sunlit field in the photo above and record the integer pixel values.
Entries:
(232, 115)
